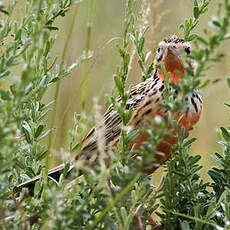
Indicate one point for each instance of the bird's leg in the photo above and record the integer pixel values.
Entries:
(139, 220)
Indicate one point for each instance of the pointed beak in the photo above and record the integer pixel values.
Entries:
(172, 51)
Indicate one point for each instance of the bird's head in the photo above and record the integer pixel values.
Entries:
(169, 53)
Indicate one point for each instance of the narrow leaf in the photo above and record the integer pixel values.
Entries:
(225, 134)
(39, 130)
(189, 142)
(228, 81)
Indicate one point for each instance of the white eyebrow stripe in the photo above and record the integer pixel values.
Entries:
(161, 43)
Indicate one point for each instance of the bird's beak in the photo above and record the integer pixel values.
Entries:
(172, 51)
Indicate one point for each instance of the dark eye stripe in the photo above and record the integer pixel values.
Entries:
(194, 104)
(158, 59)
(187, 50)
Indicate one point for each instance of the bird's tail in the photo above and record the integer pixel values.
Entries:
(53, 173)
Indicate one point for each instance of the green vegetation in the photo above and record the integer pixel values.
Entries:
(114, 195)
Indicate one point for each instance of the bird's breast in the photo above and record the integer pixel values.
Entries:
(189, 117)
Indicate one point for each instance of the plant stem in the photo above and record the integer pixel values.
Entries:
(39, 8)
(91, 7)
(193, 218)
(113, 202)
(54, 112)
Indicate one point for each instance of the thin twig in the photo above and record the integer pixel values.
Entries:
(84, 87)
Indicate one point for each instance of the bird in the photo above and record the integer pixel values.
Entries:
(145, 99)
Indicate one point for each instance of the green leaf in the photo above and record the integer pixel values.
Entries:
(192, 37)
(44, 134)
(30, 172)
(126, 62)
(132, 135)
(195, 3)
(215, 174)
(212, 208)
(4, 74)
(147, 56)
(41, 156)
(150, 69)
(195, 159)
(19, 164)
(141, 64)
(119, 84)
(227, 104)
(181, 26)
(185, 225)
(216, 23)
(4, 11)
(189, 142)
(66, 169)
(5, 95)
(51, 27)
(141, 44)
(205, 84)
(196, 12)
(26, 126)
(202, 40)
(75, 147)
(228, 81)
(37, 188)
(182, 131)
(225, 134)
(10, 61)
(27, 131)
(39, 130)
(54, 79)
(127, 116)
(124, 214)
(216, 80)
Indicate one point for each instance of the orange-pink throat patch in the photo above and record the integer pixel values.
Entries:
(173, 65)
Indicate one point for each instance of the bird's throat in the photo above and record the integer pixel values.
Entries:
(174, 66)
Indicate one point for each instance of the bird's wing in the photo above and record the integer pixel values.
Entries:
(140, 96)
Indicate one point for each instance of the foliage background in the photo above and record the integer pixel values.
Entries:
(107, 18)
(164, 18)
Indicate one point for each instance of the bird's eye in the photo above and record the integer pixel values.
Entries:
(158, 50)
(187, 50)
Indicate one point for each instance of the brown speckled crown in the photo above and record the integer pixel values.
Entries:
(174, 40)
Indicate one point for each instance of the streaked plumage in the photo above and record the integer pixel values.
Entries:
(145, 99)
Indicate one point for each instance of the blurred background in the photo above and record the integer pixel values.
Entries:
(163, 18)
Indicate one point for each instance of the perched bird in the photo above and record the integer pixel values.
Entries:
(145, 99)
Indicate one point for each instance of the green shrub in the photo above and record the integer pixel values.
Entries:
(110, 195)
